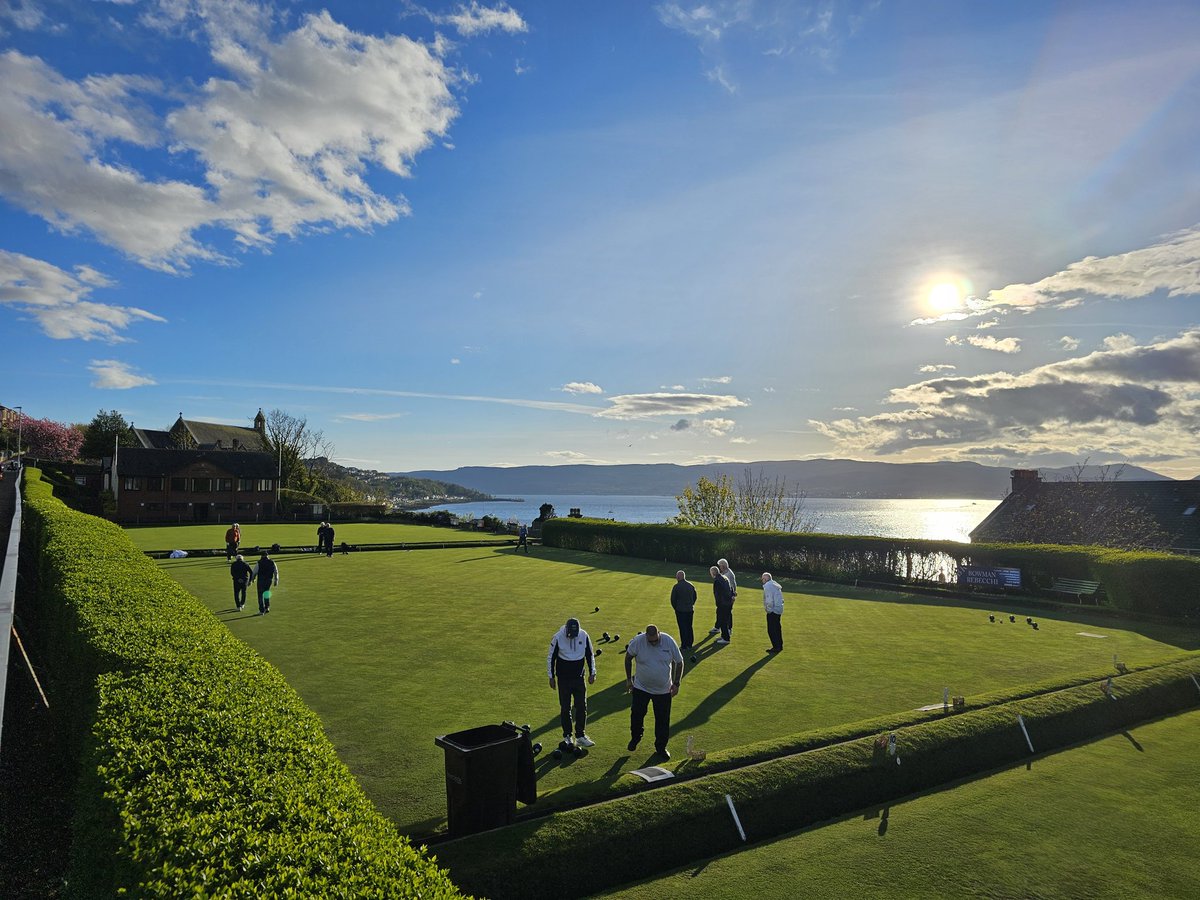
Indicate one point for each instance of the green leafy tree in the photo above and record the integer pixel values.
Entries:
(754, 502)
(105, 430)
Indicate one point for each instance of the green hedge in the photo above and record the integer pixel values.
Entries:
(1154, 583)
(584, 850)
(203, 773)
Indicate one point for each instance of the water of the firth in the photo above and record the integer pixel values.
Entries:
(935, 519)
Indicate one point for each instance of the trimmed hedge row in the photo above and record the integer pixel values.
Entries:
(1156, 583)
(584, 850)
(204, 774)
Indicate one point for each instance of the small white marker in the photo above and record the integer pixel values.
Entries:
(1196, 683)
(736, 820)
(1021, 722)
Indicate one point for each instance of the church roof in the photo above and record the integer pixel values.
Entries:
(210, 435)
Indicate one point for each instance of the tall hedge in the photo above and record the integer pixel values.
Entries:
(1155, 583)
(203, 773)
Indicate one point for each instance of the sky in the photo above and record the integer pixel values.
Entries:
(611, 232)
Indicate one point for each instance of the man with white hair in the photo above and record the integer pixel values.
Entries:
(727, 573)
(773, 604)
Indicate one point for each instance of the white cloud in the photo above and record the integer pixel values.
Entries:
(742, 440)
(477, 19)
(285, 135)
(719, 379)
(58, 301)
(991, 323)
(987, 342)
(717, 427)
(454, 361)
(1068, 343)
(371, 417)
(572, 455)
(581, 387)
(1119, 342)
(768, 390)
(1135, 402)
(935, 368)
(115, 375)
(1171, 265)
(645, 406)
(24, 15)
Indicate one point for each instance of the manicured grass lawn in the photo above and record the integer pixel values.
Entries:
(188, 537)
(394, 648)
(1113, 818)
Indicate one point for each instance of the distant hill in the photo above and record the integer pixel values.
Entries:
(815, 477)
(400, 490)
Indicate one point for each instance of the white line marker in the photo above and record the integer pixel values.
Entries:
(736, 820)
(1196, 683)
(1021, 722)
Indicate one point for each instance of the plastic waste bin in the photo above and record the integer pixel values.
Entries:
(481, 777)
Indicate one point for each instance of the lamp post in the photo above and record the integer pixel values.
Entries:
(20, 422)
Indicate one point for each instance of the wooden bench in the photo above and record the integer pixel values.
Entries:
(1077, 588)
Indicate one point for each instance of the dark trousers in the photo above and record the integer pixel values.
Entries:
(725, 621)
(568, 690)
(523, 542)
(775, 630)
(239, 594)
(329, 546)
(263, 603)
(231, 549)
(684, 621)
(662, 717)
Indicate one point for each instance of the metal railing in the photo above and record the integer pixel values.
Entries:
(8, 592)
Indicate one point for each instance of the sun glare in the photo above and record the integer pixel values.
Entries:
(944, 297)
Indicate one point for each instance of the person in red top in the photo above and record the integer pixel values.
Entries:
(233, 537)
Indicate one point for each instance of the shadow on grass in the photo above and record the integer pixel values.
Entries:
(718, 698)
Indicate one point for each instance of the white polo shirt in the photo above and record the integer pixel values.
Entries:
(653, 668)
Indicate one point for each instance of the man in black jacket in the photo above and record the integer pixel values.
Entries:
(723, 595)
(242, 575)
(683, 601)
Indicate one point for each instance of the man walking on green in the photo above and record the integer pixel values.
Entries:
(267, 575)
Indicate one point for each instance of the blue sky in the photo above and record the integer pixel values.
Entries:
(482, 234)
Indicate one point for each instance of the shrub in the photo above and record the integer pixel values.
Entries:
(203, 773)
(1143, 582)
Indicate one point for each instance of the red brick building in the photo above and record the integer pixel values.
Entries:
(192, 485)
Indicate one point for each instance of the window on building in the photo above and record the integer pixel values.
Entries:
(245, 507)
(81, 480)
(222, 507)
(224, 485)
(1189, 511)
(131, 484)
(178, 507)
(265, 484)
(202, 485)
(154, 507)
(178, 484)
(154, 483)
(245, 484)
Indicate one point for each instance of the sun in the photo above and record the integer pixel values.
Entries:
(945, 297)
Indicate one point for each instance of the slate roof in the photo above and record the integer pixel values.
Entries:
(1174, 506)
(140, 461)
(210, 434)
(207, 435)
(156, 440)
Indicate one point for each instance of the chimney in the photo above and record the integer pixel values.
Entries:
(1023, 479)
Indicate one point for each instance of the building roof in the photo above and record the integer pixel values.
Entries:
(223, 437)
(141, 461)
(1161, 514)
(155, 440)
